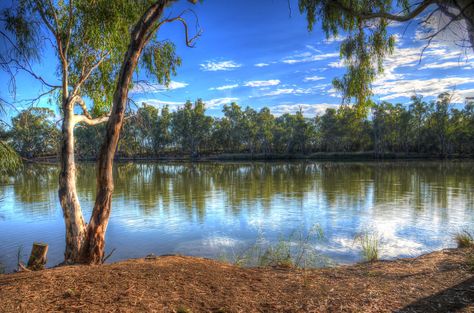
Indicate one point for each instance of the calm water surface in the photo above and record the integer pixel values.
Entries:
(211, 209)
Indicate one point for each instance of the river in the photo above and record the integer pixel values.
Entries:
(218, 209)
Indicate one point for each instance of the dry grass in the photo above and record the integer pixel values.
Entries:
(464, 239)
(186, 284)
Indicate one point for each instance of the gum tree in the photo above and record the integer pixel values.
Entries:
(95, 65)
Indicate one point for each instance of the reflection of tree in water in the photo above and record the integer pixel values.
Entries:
(36, 184)
(246, 184)
(193, 187)
(344, 184)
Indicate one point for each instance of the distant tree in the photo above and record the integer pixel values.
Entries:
(191, 127)
(34, 133)
(418, 114)
(266, 125)
(439, 123)
(232, 127)
(162, 136)
(327, 124)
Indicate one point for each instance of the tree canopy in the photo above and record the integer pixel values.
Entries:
(368, 42)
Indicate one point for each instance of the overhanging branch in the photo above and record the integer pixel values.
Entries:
(385, 15)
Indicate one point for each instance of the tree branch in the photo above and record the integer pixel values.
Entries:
(189, 41)
(29, 71)
(90, 121)
(85, 76)
(371, 15)
(77, 99)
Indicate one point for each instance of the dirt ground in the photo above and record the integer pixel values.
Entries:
(436, 282)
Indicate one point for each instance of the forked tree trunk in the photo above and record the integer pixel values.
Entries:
(74, 221)
(94, 244)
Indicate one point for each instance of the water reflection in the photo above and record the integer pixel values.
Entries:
(189, 208)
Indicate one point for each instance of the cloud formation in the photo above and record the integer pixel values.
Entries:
(309, 57)
(154, 88)
(313, 78)
(287, 91)
(212, 66)
(217, 102)
(262, 83)
(309, 110)
(225, 87)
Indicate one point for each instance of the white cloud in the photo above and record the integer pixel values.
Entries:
(216, 102)
(225, 87)
(261, 64)
(336, 64)
(288, 91)
(313, 78)
(309, 57)
(461, 95)
(447, 65)
(219, 66)
(262, 83)
(173, 105)
(394, 84)
(332, 39)
(407, 87)
(309, 110)
(153, 87)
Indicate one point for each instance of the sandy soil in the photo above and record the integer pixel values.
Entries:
(436, 282)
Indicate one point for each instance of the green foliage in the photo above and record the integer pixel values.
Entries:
(88, 140)
(34, 133)
(464, 239)
(93, 38)
(191, 127)
(160, 60)
(435, 128)
(370, 245)
(9, 160)
(366, 45)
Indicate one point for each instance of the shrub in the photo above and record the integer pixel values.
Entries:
(370, 245)
(464, 239)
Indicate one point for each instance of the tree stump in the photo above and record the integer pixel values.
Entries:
(37, 258)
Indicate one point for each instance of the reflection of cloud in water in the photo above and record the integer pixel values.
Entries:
(210, 246)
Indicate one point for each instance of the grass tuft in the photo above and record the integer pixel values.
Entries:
(296, 250)
(370, 245)
(464, 239)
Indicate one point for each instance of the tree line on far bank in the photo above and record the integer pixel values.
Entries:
(436, 127)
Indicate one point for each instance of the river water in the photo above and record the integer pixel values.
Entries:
(218, 209)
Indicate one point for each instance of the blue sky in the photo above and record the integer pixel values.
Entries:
(256, 54)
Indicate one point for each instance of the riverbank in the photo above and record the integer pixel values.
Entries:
(437, 282)
(322, 156)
